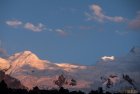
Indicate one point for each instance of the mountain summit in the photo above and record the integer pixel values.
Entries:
(22, 59)
(24, 56)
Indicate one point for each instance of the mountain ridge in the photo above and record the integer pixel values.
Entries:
(32, 71)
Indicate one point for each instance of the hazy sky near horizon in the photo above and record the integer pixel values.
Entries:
(70, 31)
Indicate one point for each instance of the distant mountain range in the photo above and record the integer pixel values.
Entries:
(110, 72)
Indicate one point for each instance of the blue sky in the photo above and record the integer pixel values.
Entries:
(70, 31)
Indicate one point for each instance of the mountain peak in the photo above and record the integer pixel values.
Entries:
(27, 52)
(23, 56)
(29, 55)
(22, 59)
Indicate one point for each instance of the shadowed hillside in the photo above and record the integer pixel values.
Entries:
(5, 90)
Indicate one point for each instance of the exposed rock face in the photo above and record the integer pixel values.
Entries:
(10, 81)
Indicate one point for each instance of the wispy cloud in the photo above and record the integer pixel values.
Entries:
(80, 27)
(61, 32)
(39, 27)
(86, 27)
(97, 14)
(35, 28)
(14, 23)
(3, 52)
(27, 25)
(121, 32)
(135, 23)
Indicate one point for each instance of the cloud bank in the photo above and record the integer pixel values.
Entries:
(39, 27)
(14, 23)
(61, 32)
(98, 14)
(35, 28)
(135, 23)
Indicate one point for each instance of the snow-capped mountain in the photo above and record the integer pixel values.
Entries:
(32, 71)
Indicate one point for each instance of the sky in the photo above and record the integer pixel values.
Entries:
(69, 31)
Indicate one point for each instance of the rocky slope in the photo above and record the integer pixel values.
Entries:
(10, 81)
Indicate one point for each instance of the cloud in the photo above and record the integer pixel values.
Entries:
(86, 27)
(35, 28)
(127, 63)
(97, 14)
(30, 26)
(61, 32)
(14, 23)
(3, 52)
(135, 23)
(121, 32)
(39, 27)
(108, 58)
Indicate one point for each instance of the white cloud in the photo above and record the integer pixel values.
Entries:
(97, 14)
(39, 27)
(30, 26)
(35, 28)
(135, 23)
(61, 32)
(108, 58)
(14, 23)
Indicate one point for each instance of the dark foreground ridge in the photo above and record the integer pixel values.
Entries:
(5, 90)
